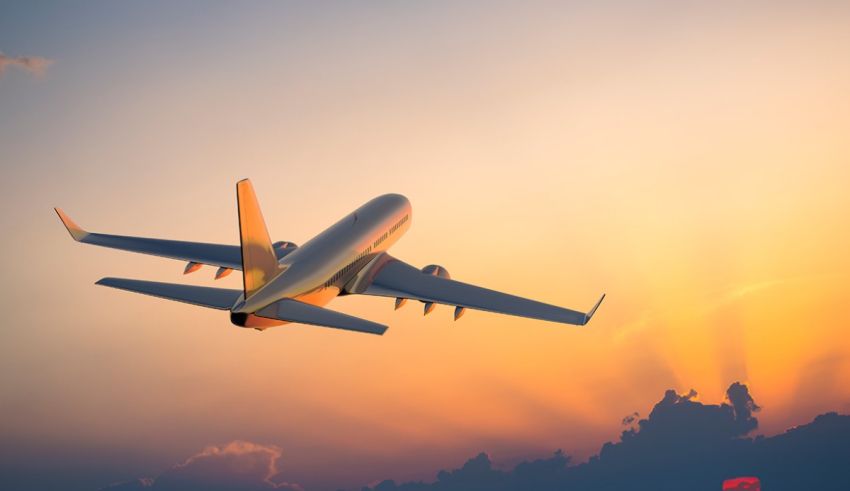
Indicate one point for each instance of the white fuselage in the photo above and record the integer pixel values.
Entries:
(317, 271)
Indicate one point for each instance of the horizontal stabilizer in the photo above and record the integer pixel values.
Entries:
(214, 298)
(290, 310)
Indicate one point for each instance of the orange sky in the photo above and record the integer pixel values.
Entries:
(691, 162)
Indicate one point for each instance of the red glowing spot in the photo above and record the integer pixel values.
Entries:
(742, 484)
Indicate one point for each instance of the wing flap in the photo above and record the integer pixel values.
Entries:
(401, 280)
(214, 298)
(290, 310)
(225, 256)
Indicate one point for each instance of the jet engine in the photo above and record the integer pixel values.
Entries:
(282, 248)
(436, 270)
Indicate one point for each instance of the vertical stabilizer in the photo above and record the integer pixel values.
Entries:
(259, 261)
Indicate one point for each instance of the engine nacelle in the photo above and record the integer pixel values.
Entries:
(429, 307)
(282, 248)
(436, 270)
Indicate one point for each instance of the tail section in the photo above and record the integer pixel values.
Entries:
(259, 261)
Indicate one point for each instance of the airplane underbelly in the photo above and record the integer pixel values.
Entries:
(254, 321)
(320, 296)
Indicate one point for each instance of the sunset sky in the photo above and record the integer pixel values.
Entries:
(691, 161)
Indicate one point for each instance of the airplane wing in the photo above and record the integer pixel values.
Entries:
(394, 278)
(225, 256)
(294, 311)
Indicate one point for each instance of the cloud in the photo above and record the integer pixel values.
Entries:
(743, 407)
(236, 466)
(33, 64)
(682, 444)
(628, 420)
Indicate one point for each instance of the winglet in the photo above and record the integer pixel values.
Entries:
(592, 311)
(76, 232)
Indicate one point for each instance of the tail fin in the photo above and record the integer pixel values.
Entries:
(259, 261)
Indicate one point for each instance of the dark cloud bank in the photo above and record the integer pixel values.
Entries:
(682, 445)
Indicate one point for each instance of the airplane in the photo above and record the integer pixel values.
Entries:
(284, 283)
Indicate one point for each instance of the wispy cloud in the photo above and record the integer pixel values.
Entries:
(33, 64)
(723, 299)
(238, 465)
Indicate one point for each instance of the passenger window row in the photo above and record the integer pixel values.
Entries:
(339, 274)
(391, 231)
